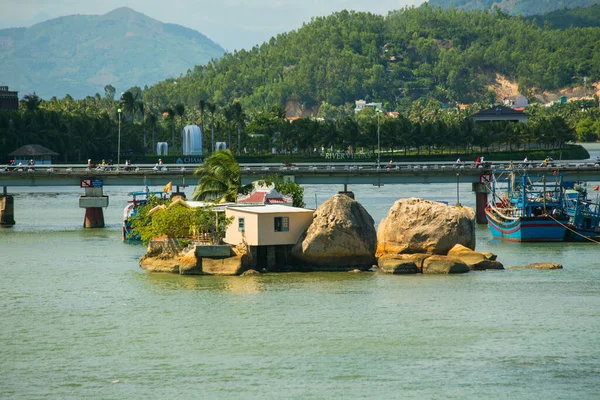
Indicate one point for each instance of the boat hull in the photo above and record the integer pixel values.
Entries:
(527, 229)
(575, 234)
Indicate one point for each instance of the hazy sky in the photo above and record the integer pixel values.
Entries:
(234, 24)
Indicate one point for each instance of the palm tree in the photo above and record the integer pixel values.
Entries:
(220, 179)
(169, 115)
(202, 107)
(211, 109)
(139, 107)
(228, 114)
(128, 101)
(32, 102)
(152, 119)
(238, 118)
(180, 111)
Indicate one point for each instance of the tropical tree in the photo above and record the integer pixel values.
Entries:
(220, 179)
(238, 117)
(31, 102)
(211, 109)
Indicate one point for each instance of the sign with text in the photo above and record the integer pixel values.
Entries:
(97, 183)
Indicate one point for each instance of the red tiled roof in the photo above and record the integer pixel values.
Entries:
(256, 197)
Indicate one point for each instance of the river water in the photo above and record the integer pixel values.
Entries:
(79, 319)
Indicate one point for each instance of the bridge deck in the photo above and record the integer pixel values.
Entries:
(303, 174)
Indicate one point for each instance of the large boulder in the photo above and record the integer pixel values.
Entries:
(342, 237)
(437, 265)
(422, 226)
(475, 260)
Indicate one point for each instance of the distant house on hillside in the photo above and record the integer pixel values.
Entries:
(500, 113)
(8, 100)
(518, 101)
(361, 105)
(35, 152)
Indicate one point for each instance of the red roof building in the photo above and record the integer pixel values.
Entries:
(264, 195)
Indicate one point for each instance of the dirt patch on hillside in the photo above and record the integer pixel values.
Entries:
(504, 87)
(293, 108)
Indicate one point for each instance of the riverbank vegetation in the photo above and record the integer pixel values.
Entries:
(418, 62)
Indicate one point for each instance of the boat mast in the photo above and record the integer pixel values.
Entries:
(544, 193)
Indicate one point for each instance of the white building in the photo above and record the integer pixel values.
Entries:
(361, 105)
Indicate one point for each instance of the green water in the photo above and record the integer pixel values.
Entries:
(79, 319)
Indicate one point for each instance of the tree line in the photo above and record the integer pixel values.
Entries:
(89, 128)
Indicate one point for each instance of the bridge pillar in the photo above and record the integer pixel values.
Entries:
(481, 200)
(346, 192)
(7, 208)
(93, 201)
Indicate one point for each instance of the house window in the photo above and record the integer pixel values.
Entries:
(282, 224)
(241, 225)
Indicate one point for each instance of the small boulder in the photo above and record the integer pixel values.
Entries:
(342, 237)
(421, 226)
(251, 272)
(444, 265)
(397, 266)
(475, 260)
(542, 265)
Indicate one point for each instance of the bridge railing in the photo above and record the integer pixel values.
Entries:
(316, 168)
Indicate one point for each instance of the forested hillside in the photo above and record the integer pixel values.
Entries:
(515, 7)
(80, 54)
(411, 53)
(577, 18)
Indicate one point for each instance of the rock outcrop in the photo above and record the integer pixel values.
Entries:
(437, 265)
(166, 255)
(542, 265)
(400, 264)
(342, 237)
(475, 260)
(422, 226)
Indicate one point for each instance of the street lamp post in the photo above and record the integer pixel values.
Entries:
(119, 142)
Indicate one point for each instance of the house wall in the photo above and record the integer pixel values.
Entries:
(266, 226)
(260, 228)
(250, 234)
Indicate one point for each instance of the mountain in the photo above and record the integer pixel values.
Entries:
(514, 7)
(413, 53)
(80, 54)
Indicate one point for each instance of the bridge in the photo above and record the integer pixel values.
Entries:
(306, 173)
(93, 180)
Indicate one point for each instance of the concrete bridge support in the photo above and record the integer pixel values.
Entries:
(93, 201)
(7, 208)
(481, 201)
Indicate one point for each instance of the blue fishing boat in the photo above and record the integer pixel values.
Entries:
(583, 213)
(526, 208)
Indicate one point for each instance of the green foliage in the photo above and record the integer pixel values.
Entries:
(77, 54)
(288, 188)
(564, 19)
(178, 221)
(412, 53)
(525, 7)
